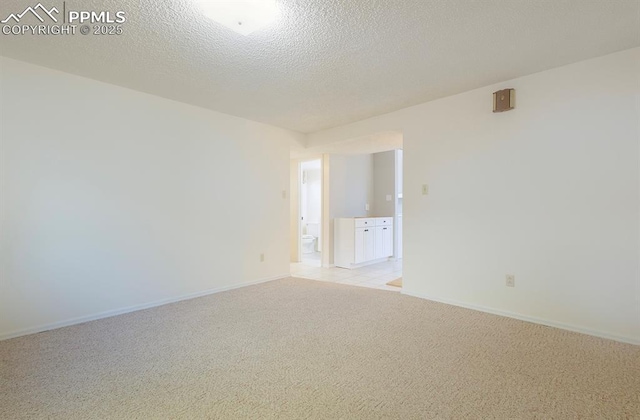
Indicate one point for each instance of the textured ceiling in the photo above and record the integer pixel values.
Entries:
(329, 62)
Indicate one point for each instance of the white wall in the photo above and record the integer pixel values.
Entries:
(549, 192)
(113, 198)
(384, 183)
(351, 185)
(351, 188)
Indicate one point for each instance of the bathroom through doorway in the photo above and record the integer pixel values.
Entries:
(310, 205)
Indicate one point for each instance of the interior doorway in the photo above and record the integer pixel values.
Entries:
(344, 189)
(310, 212)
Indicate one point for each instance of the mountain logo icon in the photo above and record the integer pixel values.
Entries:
(34, 11)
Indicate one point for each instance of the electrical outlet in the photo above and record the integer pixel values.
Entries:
(388, 198)
(511, 280)
(261, 257)
(425, 189)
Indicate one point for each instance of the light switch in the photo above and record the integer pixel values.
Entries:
(284, 193)
(425, 189)
(366, 207)
(388, 197)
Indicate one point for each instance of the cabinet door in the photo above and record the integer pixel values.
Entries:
(387, 241)
(369, 244)
(359, 246)
(379, 242)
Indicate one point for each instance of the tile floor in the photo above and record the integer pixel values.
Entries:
(375, 276)
(312, 259)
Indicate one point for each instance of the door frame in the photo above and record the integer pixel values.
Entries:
(323, 239)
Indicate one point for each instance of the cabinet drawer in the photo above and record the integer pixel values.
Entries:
(384, 221)
(365, 222)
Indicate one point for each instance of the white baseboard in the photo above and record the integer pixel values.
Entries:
(352, 266)
(535, 320)
(107, 314)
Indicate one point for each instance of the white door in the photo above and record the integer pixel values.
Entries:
(387, 241)
(369, 244)
(359, 246)
(379, 239)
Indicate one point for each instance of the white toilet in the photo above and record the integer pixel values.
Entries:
(310, 239)
(308, 244)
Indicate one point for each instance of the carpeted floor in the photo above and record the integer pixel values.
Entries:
(299, 349)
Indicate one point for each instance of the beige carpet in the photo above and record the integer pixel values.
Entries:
(301, 349)
(395, 283)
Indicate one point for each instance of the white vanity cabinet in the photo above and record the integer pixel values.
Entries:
(362, 240)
